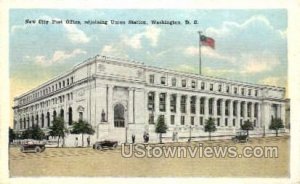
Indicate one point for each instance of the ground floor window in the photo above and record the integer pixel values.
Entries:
(218, 121)
(172, 119)
(201, 120)
(226, 122)
(233, 122)
(192, 120)
(182, 119)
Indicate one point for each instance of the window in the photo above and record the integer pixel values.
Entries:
(227, 108)
(173, 103)
(173, 81)
(68, 82)
(193, 104)
(210, 106)
(80, 115)
(233, 122)
(151, 118)
(227, 89)
(183, 104)
(202, 105)
(182, 119)
(183, 83)
(249, 92)
(64, 83)
(242, 109)
(243, 91)
(202, 85)
(234, 108)
(249, 109)
(151, 79)
(255, 110)
(256, 92)
(235, 90)
(201, 120)
(59, 85)
(192, 120)
(72, 80)
(211, 87)
(226, 121)
(163, 80)
(162, 102)
(172, 119)
(218, 121)
(219, 107)
(193, 84)
(151, 101)
(220, 88)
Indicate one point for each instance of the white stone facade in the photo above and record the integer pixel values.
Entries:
(122, 97)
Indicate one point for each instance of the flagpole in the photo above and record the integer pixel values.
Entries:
(200, 52)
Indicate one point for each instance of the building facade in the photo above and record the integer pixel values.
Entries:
(120, 98)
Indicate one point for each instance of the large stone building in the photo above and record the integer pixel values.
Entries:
(123, 97)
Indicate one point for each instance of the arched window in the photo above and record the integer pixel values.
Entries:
(54, 114)
(70, 116)
(43, 120)
(119, 120)
(48, 119)
(61, 113)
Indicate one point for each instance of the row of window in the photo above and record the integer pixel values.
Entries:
(207, 86)
(183, 105)
(192, 120)
(47, 90)
(47, 103)
(44, 119)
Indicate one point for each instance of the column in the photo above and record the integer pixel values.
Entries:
(206, 108)
(282, 113)
(258, 115)
(167, 118)
(215, 107)
(130, 105)
(109, 105)
(223, 112)
(230, 119)
(252, 112)
(245, 111)
(238, 114)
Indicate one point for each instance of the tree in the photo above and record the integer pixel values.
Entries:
(248, 125)
(12, 135)
(82, 127)
(210, 126)
(276, 124)
(58, 129)
(161, 127)
(37, 133)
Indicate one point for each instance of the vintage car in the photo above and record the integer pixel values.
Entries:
(32, 147)
(99, 145)
(241, 136)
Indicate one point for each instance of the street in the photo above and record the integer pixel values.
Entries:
(89, 162)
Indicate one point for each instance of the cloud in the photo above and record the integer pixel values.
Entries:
(58, 57)
(257, 64)
(274, 81)
(114, 50)
(209, 53)
(151, 33)
(230, 28)
(76, 35)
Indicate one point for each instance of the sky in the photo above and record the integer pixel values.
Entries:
(250, 45)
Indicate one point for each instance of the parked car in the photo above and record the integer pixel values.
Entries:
(35, 147)
(241, 136)
(99, 145)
